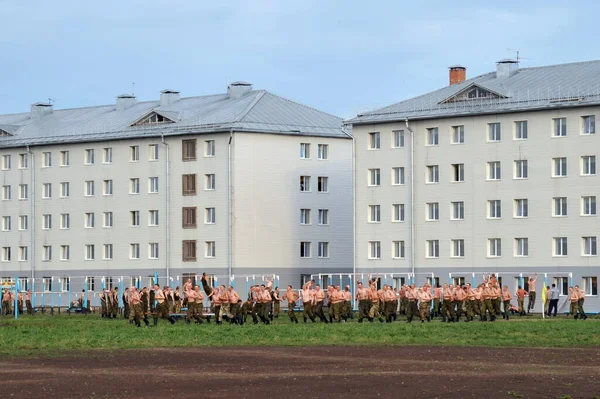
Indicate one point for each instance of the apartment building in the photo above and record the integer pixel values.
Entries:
(497, 173)
(233, 184)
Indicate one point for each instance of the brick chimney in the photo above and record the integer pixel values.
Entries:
(458, 74)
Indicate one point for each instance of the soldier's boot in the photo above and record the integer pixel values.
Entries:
(155, 321)
(146, 321)
(305, 319)
(137, 323)
(381, 319)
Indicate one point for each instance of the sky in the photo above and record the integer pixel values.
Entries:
(342, 57)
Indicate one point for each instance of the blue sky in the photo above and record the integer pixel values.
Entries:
(342, 57)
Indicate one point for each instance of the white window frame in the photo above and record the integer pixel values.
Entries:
(65, 221)
(209, 149)
(209, 182)
(6, 162)
(521, 247)
(521, 169)
(588, 205)
(494, 209)
(88, 158)
(305, 184)
(559, 167)
(107, 189)
(458, 134)
(153, 152)
(374, 176)
(494, 132)
(323, 250)
(23, 192)
(47, 221)
(589, 246)
(134, 153)
(23, 161)
(305, 217)
(457, 210)
(65, 189)
(560, 207)
(521, 130)
(107, 252)
(153, 220)
(494, 247)
(559, 127)
(457, 246)
(46, 190)
(46, 159)
(521, 208)
(89, 188)
(589, 284)
(6, 223)
(6, 254)
(374, 248)
(23, 222)
(374, 141)
(305, 249)
(458, 172)
(322, 152)
(560, 246)
(107, 220)
(432, 210)
(323, 217)
(134, 185)
(210, 215)
(374, 214)
(433, 174)
(153, 250)
(588, 165)
(398, 176)
(65, 159)
(304, 150)
(398, 249)
(398, 213)
(107, 155)
(494, 171)
(432, 249)
(588, 125)
(398, 139)
(433, 136)
(23, 254)
(323, 184)
(134, 218)
(89, 220)
(65, 253)
(153, 185)
(134, 251)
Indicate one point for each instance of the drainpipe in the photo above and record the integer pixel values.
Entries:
(229, 207)
(31, 222)
(167, 209)
(412, 199)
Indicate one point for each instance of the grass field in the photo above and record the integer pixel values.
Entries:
(64, 335)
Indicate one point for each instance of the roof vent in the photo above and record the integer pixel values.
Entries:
(458, 74)
(40, 109)
(125, 101)
(168, 97)
(238, 89)
(506, 68)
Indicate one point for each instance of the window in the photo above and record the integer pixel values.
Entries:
(91, 283)
(23, 192)
(433, 211)
(374, 177)
(47, 190)
(458, 134)
(398, 139)
(153, 185)
(588, 205)
(374, 249)
(521, 246)
(458, 172)
(433, 174)
(188, 151)
(65, 189)
(153, 250)
(46, 221)
(560, 167)
(209, 249)
(6, 255)
(64, 158)
(322, 184)
(323, 250)
(305, 249)
(189, 184)
(89, 188)
(5, 162)
(47, 159)
(397, 212)
(398, 251)
(323, 151)
(153, 152)
(433, 136)
(23, 255)
(89, 220)
(458, 248)
(589, 124)
(397, 176)
(560, 246)
(374, 213)
(521, 169)
(560, 206)
(107, 252)
(305, 183)
(6, 193)
(590, 286)
(153, 217)
(47, 283)
(210, 216)
(521, 130)
(107, 187)
(6, 223)
(134, 251)
(588, 165)
(209, 182)
(134, 186)
(560, 127)
(458, 210)
(23, 222)
(562, 283)
(88, 159)
(494, 247)
(494, 209)
(494, 171)
(46, 253)
(374, 141)
(589, 246)
(65, 221)
(107, 155)
(494, 132)
(134, 216)
(189, 251)
(134, 153)
(189, 218)
(304, 150)
(433, 248)
(304, 216)
(23, 161)
(107, 219)
(323, 217)
(521, 208)
(65, 252)
(209, 148)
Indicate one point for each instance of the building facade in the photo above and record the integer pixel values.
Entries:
(495, 174)
(236, 184)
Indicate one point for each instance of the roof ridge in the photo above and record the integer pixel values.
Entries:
(244, 113)
(302, 105)
(561, 65)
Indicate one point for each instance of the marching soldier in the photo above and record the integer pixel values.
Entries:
(291, 296)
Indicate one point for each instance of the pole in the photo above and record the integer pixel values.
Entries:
(52, 293)
(33, 292)
(85, 294)
(16, 305)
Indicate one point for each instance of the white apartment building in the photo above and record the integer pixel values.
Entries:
(497, 173)
(234, 184)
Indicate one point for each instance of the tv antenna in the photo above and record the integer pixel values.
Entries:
(133, 88)
(517, 52)
(51, 100)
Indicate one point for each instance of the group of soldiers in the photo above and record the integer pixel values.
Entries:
(8, 302)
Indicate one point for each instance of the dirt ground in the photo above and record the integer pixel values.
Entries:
(309, 372)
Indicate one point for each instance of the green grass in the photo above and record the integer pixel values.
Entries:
(65, 335)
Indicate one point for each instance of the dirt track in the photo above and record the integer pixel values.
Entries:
(309, 372)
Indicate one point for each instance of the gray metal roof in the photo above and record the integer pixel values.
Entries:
(255, 111)
(554, 86)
